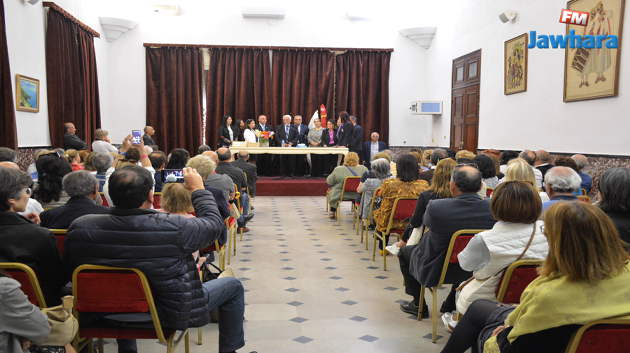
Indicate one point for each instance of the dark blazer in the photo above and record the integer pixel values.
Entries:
(281, 135)
(444, 217)
(158, 244)
(224, 136)
(268, 127)
(421, 207)
(544, 168)
(302, 133)
(61, 217)
(148, 140)
(367, 151)
(326, 138)
(224, 210)
(72, 141)
(427, 175)
(250, 169)
(346, 136)
(622, 222)
(236, 174)
(36, 247)
(159, 184)
(358, 139)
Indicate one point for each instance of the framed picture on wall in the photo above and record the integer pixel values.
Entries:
(515, 65)
(591, 73)
(27, 89)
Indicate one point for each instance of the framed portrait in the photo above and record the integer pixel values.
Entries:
(594, 73)
(515, 65)
(27, 94)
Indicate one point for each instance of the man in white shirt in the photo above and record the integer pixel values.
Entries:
(102, 143)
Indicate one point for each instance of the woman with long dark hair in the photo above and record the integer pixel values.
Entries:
(250, 136)
(51, 168)
(177, 159)
(346, 134)
(227, 132)
(240, 128)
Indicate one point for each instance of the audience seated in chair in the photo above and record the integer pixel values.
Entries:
(102, 162)
(487, 169)
(380, 169)
(542, 162)
(177, 159)
(82, 187)
(614, 188)
(102, 143)
(437, 155)
(335, 180)
(561, 183)
(584, 278)
(587, 181)
(249, 168)
(158, 162)
(24, 242)
(421, 264)
(182, 300)
(71, 140)
(32, 207)
(51, 168)
(519, 170)
(236, 174)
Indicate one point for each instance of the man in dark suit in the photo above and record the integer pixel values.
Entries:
(264, 162)
(421, 264)
(289, 135)
(158, 161)
(437, 155)
(236, 174)
(70, 140)
(82, 187)
(301, 166)
(248, 168)
(148, 136)
(358, 139)
(371, 148)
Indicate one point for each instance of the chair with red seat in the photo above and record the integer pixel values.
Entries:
(60, 235)
(489, 191)
(232, 226)
(350, 184)
(608, 335)
(459, 240)
(515, 279)
(105, 203)
(366, 221)
(157, 200)
(101, 289)
(584, 198)
(28, 279)
(404, 207)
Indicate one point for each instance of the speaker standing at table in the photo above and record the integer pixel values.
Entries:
(301, 166)
(287, 134)
(264, 161)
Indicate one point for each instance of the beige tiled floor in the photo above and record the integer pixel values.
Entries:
(341, 302)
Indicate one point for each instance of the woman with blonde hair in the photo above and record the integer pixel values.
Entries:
(518, 169)
(74, 159)
(426, 155)
(584, 278)
(335, 180)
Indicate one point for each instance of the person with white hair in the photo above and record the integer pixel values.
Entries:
(102, 143)
(287, 136)
(561, 183)
(587, 181)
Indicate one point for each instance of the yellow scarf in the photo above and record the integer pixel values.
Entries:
(550, 302)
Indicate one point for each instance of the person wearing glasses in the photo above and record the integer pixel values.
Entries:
(23, 241)
(421, 264)
(437, 155)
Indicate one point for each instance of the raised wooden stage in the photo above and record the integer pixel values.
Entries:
(272, 186)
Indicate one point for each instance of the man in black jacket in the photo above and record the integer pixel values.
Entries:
(236, 174)
(437, 155)
(82, 187)
(161, 246)
(249, 169)
(287, 136)
(70, 140)
(422, 263)
(265, 160)
(358, 139)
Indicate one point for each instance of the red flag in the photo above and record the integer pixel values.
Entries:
(322, 114)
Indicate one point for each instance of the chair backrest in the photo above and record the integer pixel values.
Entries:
(101, 289)
(403, 207)
(489, 191)
(459, 240)
(60, 235)
(515, 279)
(609, 335)
(584, 192)
(105, 203)
(237, 196)
(28, 279)
(377, 192)
(247, 188)
(584, 198)
(157, 200)
(350, 184)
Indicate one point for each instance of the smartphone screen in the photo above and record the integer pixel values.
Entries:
(172, 176)
(136, 137)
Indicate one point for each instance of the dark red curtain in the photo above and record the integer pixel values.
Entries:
(363, 90)
(89, 87)
(8, 131)
(237, 85)
(63, 75)
(302, 81)
(174, 97)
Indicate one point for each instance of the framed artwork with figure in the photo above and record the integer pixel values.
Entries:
(592, 72)
(27, 93)
(515, 65)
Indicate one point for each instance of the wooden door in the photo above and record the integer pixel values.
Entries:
(465, 101)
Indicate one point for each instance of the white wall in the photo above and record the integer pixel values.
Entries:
(26, 39)
(538, 118)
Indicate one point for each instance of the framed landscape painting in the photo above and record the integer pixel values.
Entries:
(515, 65)
(591, 73)
(27, 94)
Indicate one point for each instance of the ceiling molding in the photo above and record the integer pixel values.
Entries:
(115, 27)
(423, 36)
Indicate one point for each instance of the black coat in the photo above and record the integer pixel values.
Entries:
(346, 136)
(358, 140)
(158, 244)
(61, 217)
(224, 135)
(444, 217)
(421, 207)
(148, 140)
(22, 241)
(326, 138)
(72, 141)
(281, 135)
(622, 222)
(250, 169)
(236, 174)
(302, 133)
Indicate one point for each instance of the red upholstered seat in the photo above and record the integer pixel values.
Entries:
(608, 335)
(60, 239)
(515, 279)
(157, 201)
(27, 288)
(489, 192)
(105, 203)
(459, 246)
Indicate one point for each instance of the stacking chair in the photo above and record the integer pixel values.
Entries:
(515, 279)
(459, 240)
(249, 195)
(230, 223)
(403, 208)
(219, 249)
(584, 193)
(240, 209)
(94, 293)
(608, 335)
(105, 203)
(157, 200)
(28, 279)
(350, 184)
(366, 222)
(60, 235)
(584, 198)
(489, 191)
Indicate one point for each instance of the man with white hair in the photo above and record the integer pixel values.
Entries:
(287, 136)
(371, 148)
(587, 181)
(561, 183)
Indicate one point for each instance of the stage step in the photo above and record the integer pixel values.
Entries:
(273, 186)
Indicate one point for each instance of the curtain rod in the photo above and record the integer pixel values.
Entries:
(268, 47)
(67, 15)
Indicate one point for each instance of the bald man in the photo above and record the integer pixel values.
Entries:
(33, 208)
(542, 162)
(148, 136)
(587, 181)
(70, 140)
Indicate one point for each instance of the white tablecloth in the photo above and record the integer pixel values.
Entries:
(291, 150)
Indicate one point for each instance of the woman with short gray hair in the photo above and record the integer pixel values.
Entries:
(381, 169)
